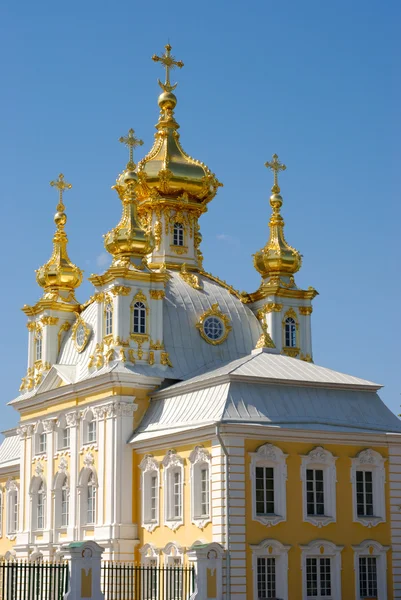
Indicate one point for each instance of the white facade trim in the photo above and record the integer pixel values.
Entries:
(323, 549)
(12, 499)
(270, 456)
(373, 549)
(199, 458)
(149, 467)
(173, 464)
(370, 460)
(272, 549)
(173, 554)
(321, 459)
(150, 555)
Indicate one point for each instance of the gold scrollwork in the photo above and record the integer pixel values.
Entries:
(78, 326)
(305, 310)
(214, 311)
(306, 357)
(157, 345)
(157, 294)
(165, 359)
(190, 278)
(268, 308)
(292, 352)
(49, 320)
(179, 249)
(120, 290)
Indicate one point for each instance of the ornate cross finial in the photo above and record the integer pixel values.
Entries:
(131, 142)
(61, 185)
(275, 165)
(169, 62)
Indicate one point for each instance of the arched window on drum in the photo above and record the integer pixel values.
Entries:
(178, 234)
(139, 318)
(290, 332)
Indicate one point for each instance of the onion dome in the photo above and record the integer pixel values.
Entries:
(128, 240)
(277, 259)
(167, 171)
(59, 273)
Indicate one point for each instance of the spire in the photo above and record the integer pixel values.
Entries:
(128, 242)
(277, 259)
(59, 274)
(167, 171)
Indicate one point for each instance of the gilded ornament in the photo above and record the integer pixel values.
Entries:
(31, 325)
(140, 297)
(131, 356)
(120, 290)
(139, 338)
(80, 334)
(49, 320)
(305, 310)
(157, 345)
(122, 355)
(265, 340)
(157, 294)
(169, 63)
(291, 314)
(292, 352)
(190, 278)
(268, 308)
(306, 357)
(131, 142)
(157, 232)
(109, 355)
(214, 311)
(165, 359)
(179, 249)
(151, 359)
(64, 327)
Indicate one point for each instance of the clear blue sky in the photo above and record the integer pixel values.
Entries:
(317, 82)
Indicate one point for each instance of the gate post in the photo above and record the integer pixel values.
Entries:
(85, 571)
(208, 560)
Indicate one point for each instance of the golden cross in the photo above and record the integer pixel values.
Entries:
(131, 142)
(275, 165)
(61, 185)
(169, 62)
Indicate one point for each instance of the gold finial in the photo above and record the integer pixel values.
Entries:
(131, 142)
(275, 165)
(61, 185)
(169, 62)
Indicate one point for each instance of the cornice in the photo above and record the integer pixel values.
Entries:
(281, 292)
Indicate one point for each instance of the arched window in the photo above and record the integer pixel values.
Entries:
(91, 500)
(290, 332)
(11, 508)
(139, 324)
(61, 495)
(200, 486)
(38, 344)
(40, 507)
(108, 317)
(178, 234)
(64, 503)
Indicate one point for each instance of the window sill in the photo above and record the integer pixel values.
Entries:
(269, 519)
(202, 521)
(88, 446)
(174, 524)
(369, 521)
(319, 520)
(150, 526)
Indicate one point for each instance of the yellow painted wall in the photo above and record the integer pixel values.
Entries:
(5, 543)
(295, 532)
(188, 533)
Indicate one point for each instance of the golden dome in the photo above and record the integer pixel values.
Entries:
(277, 258)
(167, 170)
(59, 273)
(128, 240)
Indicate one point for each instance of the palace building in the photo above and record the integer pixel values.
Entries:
(170, 413)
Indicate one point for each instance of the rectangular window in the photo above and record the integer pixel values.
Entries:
(266, 577)
(13, 512)
(364, 493)
(42, 442)
(91, 506)
(40, 511)
(367, 577)
(177, 494)
(314, 492)
(205, 494)
(65, 438)
(264, 490)
(153, 498)
(109, 319)
(318, 577)
(64, 508)
(178, 238)
(91, 431)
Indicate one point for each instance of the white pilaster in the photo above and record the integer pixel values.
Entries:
(73, 523)
(395, 514)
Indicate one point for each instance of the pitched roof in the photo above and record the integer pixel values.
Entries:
(10, 451)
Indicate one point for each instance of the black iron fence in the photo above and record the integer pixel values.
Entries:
(33, 581)
(127, 581)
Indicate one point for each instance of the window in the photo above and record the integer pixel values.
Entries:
(89, 427)
(178, 234)
(61, 495)
(40, 507)
(108, 314)
(11, 508)
(370, 565)
(270, 570)
(200, 460)
(268, 473)
(64, 504)
(173, 489)
(41, 443)
(92, 431)
(368, 483)
(38, 344)
(150, 492)
(314, 492)
(290, 333)
(91, 500)
(318, 474)
(213, 328)
(321, 566)
(65, 437)
(139, 324)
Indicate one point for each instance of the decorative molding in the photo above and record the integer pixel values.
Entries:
(89, 460)
(271, 548)
(372, 461)
(270, 456)
(190, 278)
(47, 320)
(78, 326)
(305, 310)
(374, 549)
(291, 352)
(322, 459)
(323, 549)
(214, 311)
(157, 294)
(200, 454)
(268, 308)
(165, 359)
(200, 457)
(73, 418)
(120, 290)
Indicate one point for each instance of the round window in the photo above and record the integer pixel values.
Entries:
(213, 328)
(80, 335)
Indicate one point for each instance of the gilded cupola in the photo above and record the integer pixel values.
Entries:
(59, 275)
(277, 261)
(128, 242)
(167, 171)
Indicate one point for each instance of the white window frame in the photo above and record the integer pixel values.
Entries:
(83, 480)
(61, 478)
(271, 457)
(89, 417)
(108, 318)
(149, 467)
(150, 555)
(321, 459)
(272, 549)
(12, 509)
(62, 428)
(323, 549)
(200, 458)
(173, 464)
(370, 460)
(372, 548)
(178, 234)
(139, 310)
(36, 484)
(39, 436)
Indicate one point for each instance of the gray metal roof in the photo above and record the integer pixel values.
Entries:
(10, 451)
